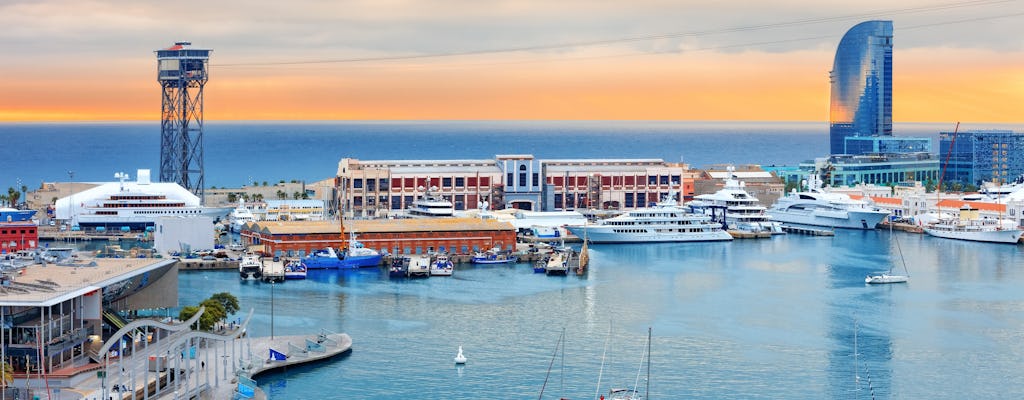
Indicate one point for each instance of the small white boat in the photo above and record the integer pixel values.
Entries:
(557, 264)
(295, 270)
(459, 358)
(419, 266)
(250, 268)
(441, 266)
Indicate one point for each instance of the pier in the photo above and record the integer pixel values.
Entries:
(737, 234)
(803, 230)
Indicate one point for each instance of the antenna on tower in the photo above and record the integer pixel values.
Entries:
(182, 73)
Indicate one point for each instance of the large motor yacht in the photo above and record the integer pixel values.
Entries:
(665, 222)
(240, 216)
(431, 205)
(820, 208)
(737, 208)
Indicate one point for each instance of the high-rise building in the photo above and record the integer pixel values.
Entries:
(982, 155)
(861, 78)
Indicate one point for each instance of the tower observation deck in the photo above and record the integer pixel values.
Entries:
(182, 72)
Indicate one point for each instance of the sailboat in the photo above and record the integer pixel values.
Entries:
(889, 277)
(633, 393)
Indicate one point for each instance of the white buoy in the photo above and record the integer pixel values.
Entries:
(459, 358)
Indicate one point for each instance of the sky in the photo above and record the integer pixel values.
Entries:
(738, 60)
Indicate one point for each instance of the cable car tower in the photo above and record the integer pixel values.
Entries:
(182, 72)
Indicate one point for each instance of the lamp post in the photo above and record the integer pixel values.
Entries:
(272, 310)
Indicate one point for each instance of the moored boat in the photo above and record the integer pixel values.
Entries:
(250, 268)
(817, 207)
(969, 226)
(557, 264)
(399, 267)
(419, 266)
(441, 266)
(295, 269)
(665, 222)
(494, 256)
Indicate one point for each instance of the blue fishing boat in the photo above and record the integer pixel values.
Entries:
(328, 258)
(295, 270)
(494, 256)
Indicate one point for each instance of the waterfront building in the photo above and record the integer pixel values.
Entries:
(982, 155)
(292, 210)
(393, 236)
(55, 316)
(15, 236)
(861, 81)
(879, 169)
(386, 187)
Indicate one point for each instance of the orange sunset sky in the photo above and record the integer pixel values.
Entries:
(568, 60)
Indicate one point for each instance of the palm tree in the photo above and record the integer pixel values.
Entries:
(8, 372)
(232, 198)
(258, 197)
(296, 195)
(3, 199)
(282, 195)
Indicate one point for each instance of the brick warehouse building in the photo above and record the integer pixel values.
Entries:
(392, 236)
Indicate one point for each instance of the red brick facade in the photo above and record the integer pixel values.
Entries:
(16, 236)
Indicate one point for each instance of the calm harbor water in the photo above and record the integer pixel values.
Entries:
(747, 319)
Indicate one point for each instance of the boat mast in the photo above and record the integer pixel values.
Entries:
(647, 392)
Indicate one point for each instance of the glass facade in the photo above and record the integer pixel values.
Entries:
(887, 145)
(861, 79)
(982, 156)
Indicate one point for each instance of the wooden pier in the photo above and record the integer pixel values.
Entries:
(802, 230)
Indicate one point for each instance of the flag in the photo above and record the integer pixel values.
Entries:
(277, 355)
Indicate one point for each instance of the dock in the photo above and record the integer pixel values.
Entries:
(738, 234)
(802, 230)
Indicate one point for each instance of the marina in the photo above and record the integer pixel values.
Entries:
(763, 341)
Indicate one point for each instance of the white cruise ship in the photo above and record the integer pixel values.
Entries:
(969, 226)
(819, 208)
(431, 205)
(739, 209)
(136, 205)
(665, 222)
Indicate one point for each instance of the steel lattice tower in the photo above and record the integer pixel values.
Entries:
(182, 72)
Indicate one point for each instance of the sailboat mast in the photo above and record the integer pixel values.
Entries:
(647, 392)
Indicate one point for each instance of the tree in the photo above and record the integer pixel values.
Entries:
(264, 183)
(305, 196)
(258, 197)
(228, 300)
(929, 186)
(282, 195)
(296, 195)
(214, 313)
(232, 198)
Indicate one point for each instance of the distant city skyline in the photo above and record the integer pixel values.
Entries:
(506, 60)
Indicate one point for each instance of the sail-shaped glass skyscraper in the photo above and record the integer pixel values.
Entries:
(861, 77)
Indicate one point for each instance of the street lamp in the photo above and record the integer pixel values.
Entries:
(271, 310)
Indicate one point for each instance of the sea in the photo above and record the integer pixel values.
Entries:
(240, 153)
(786, 317)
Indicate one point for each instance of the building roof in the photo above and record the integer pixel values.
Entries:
(741, 174)
(978, 205)
(378, 226)
(894, 201)
(71, 282)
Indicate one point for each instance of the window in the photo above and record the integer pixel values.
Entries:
(460, 182)
(357, 183)
(508, 179)
(446, 182)
(383, 184)
(522, 179)
(536, 179)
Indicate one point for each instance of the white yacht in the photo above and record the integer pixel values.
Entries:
(251, 267)
(665, 222)
(240, 216)
(968, 226)
(739, 209)
(820, 208)
(133, 204)
(431, 205)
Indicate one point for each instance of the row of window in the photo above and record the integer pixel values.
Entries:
(398, 250)
(17, 231)
(413, 183)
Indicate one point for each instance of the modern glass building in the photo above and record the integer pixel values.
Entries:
(982, 155)
(878, 169)
(861, 78)
(887, 145)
